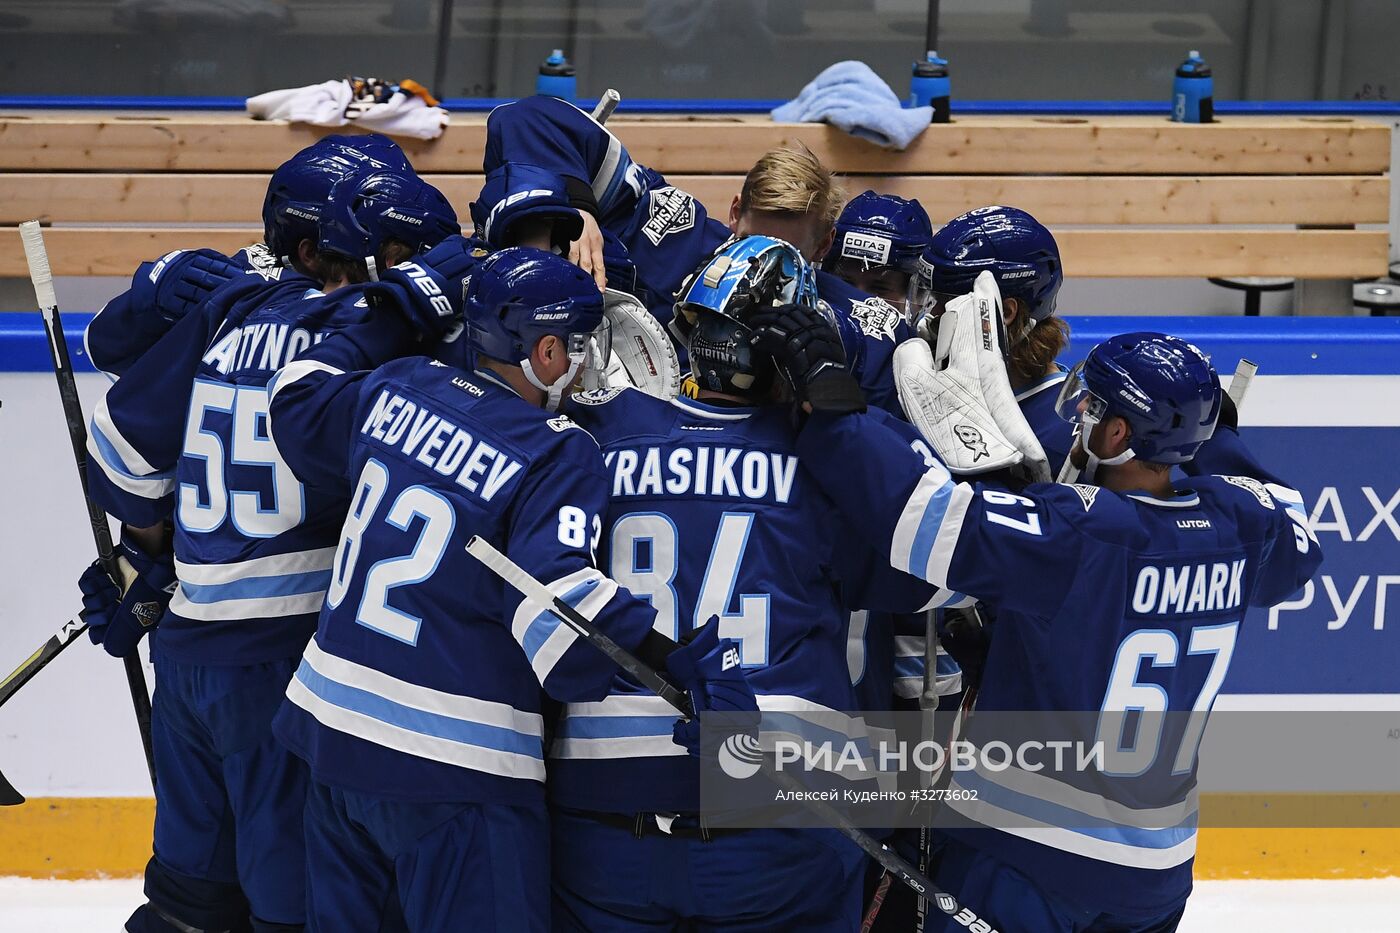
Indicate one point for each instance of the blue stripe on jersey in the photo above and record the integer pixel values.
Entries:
(546, 622)
(113, 463)
(612, 727)
(1074, 821)
(423, 722)
(929, 526)
(291, 584)
(944, 664)
(908, 667)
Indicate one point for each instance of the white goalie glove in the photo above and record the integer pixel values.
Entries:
(642, 354)
(959, 396)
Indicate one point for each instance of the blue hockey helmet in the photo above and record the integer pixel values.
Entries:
(714, 305)
(516, 190)
(519, 295)
(376, 146)
(877, 230)
(297, 192)
(1164, 387)
(1016, 247)
(364, 211)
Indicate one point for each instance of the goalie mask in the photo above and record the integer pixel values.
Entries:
(716, 301)
(519, 296)
(1164, 387)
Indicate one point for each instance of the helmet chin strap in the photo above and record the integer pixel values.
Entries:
(554, 391)
(1082, 431)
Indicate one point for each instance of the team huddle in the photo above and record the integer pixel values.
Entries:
(801, 462)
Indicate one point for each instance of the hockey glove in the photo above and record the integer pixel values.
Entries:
(708, 668)
(808, 352)
(642, 354)
(427, 291)
(117, 621)
(181, 280)
(966, 639)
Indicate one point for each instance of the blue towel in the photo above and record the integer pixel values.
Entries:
(852, 97)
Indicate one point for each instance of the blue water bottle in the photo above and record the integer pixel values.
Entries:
(931, 86)
(557, 77)
(1193, 92)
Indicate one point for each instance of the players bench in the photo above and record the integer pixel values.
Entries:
(1296, 197)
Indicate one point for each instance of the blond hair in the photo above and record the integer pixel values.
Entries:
(792, 181)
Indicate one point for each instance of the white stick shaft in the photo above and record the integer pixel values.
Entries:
(606, 105)
(38, 259)
(1239, 383)
(509, 571)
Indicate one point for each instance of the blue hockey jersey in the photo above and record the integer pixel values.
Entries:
(185, 434)
(127, 326)
(1056, 435)
(1106, 602)
(424, 677)
(711, 514)
(666, 234)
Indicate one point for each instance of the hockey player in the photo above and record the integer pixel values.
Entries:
(163, 291)
(1127, 593)
(418, 703)
(184, 434)
(712, 514)
(656, 234)
(1025, 260)
(879, 239)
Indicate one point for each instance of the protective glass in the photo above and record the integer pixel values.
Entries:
(1073, 393)
(923, 300)
(590, 352)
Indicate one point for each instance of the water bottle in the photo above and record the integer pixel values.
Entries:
(930, 86)
(557, 77)
(1193, 92)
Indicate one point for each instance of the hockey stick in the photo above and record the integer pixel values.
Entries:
(36, 662)
(77, 433)
(606, 105)
(508, 570)
(1239, 383)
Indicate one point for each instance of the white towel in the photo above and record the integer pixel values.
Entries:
(333, 103)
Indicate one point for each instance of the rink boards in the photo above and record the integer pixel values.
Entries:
(1324, 410)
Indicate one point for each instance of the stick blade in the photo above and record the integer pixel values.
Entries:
(9, 797)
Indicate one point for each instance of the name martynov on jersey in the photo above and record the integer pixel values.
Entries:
(712, 515)
(424, 678)
(184, 434)
(127, 327)
(666, 232)
(1103, 600)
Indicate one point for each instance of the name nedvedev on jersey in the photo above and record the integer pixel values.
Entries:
(435, 442)
(703, 470)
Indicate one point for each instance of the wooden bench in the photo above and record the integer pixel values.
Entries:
(1125, 196)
